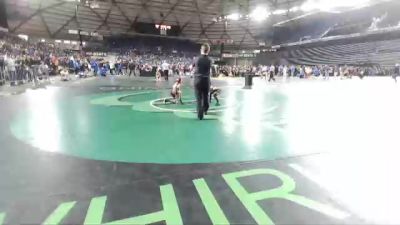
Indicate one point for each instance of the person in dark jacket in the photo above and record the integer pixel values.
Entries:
(396, 72)
(131, 66)
(202, 81)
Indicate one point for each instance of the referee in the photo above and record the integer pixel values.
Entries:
(202, 81)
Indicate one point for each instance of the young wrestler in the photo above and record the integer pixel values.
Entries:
(176, 92)
(215, 92)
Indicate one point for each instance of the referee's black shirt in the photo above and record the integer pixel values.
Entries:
(203, 67)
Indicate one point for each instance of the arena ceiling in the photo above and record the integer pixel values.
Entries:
(196, 18)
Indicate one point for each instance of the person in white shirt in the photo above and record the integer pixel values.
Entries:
(264, 72)
(43, 69)
(285, 73)
(64, 74)
(112, 67)
(158, 73)
(292, 70)
(280, 69)
(165, 68)
(11, 68)
(326, 72)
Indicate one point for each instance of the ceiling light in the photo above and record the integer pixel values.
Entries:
(294, 9)
(72, 31)
(279, 12)
(233, 16)
(259, 14)
(84, 33)
(309, 5)
(23, 37)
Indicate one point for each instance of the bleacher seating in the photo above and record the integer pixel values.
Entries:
(386, 53)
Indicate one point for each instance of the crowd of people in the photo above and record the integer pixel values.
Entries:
(137, 64)
(21, 62)
(301, 71)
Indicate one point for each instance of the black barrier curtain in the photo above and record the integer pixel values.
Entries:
(146, 73)
(3, 16)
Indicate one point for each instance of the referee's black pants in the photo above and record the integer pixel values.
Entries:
(202, 89)
(166, 74)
